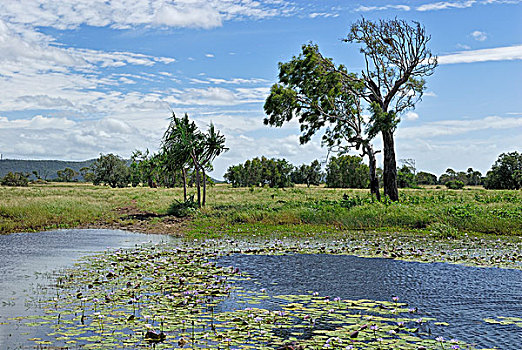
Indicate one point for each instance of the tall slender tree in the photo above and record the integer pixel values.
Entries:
(397, 60)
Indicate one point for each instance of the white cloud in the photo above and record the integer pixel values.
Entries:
(463, 47)
(63, 138)
(209, 55)
(68, 14)
(323, 14)
(187, 16)
(495, 54)
(458, 127)
(237, 81)
(443, 5)
(479, 36)
(382, 8)
(410, 116)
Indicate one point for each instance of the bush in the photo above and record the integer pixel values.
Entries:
(455, 185)
(181, 209)
(15, 179)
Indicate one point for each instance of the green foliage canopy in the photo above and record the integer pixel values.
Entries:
(111, 170)
(347, 172)
(506, 173)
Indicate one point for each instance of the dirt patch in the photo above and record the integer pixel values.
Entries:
(130, 218)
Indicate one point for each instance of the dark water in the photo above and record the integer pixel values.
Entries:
(27, 262)
(462, 296)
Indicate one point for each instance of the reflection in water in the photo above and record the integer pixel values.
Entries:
(462, 296)
(27, 261)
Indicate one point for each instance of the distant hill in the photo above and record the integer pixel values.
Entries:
(46, 168)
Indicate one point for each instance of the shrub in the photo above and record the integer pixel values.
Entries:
(182, 209)
(455, 184)
(15, 179)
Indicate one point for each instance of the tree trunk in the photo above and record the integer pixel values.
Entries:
(198, 187)
(372, 163)
(204, 186)
(184, 176)
(390, 166)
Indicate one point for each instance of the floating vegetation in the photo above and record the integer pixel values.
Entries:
(517, 321)
(166, 297)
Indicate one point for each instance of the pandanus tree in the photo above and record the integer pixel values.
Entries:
(187, 147)
(321, 95)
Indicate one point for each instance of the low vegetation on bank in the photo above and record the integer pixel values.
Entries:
(238, 211)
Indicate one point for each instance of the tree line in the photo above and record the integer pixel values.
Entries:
(347, 171)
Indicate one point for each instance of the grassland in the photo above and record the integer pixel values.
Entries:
(297, 211)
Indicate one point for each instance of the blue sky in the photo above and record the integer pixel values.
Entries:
(80, 78)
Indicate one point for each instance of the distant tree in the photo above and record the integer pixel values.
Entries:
(234, 175)
(455, 184)
(111, 170)
(424, 178)
(260, 172)
(473, 177)
(308, 174)
(15, 179)
(36, 175)
(66, 175)
(87, 174)
(410, 164)
(449, 175)
(506, 173)
(406, 177)
(347, 171)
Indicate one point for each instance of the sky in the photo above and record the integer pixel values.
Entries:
(84, 77)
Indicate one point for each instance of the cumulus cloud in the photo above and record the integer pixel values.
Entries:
(505, 53)
(68, 14)
(64, 138)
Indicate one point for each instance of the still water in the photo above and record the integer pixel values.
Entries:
(459, 295)
(28, 260)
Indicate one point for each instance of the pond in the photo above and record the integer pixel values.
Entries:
(29, 261)
(480, 306)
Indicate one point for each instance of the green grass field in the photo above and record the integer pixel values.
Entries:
(299, 210)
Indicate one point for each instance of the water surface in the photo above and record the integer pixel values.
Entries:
(459, 295)
(28, 260)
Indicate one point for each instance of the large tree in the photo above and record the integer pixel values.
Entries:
(506, 173)
(397, 59)
(321, 95)
(111, 170)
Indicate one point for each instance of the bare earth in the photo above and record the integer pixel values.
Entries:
(130, 218)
